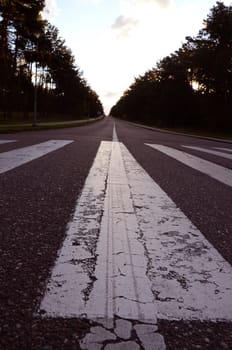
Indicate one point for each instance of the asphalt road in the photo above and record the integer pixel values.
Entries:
(38, 205)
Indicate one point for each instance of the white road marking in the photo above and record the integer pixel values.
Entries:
(223, 149)
(119, 285)
(215, 171)
(12, 159)
(72, 276)
(210, 151)
(115, 136)
(141, 259)
(122, 287)
(6, 141)
(190, 279)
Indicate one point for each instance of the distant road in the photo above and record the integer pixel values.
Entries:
(115, 237)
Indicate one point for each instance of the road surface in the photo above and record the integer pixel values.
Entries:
(115, 237)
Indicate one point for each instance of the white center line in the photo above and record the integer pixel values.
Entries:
(115, 136)
(12, 159)
(119, 285)
(210, 151)
(215, 171)
(127, 292)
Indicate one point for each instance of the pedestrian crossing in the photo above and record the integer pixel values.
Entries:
(130, 251)
(213, 170)
(131, 257)
(150, 261)
(210, 151)
(223, 149)
(121, 287)
(13, 159)
(6, 141)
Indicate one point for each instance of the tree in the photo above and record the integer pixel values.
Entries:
(30, 45)
(212, 52)
(167, 95)
(19, 21)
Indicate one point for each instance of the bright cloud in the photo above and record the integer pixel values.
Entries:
(124, 24)
(95, 2)
(115, 41)
(50, 10)
(111, 94)
(162, 3)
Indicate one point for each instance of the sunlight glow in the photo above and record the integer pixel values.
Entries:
(114, 42)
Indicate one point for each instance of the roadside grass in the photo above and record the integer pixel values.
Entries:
(204, 133)
(192, 132)
(12, 126)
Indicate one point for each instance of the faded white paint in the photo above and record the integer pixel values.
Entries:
(73, 275)
(142, 333)
(123, 329)
(94, 339)
(210, 151)
(190, 279)
(12, 159)
(223, 149)
(131, 252)
(215, 171)
(115, 136)
(6, 141)
(120, 285)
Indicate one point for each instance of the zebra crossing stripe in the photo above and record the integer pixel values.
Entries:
(72, 276)
(6, 141)
(12, 159)
(190, 279)
(119, 285)
(223, 149)
(210, 151)
(130, 252)
(215, 171)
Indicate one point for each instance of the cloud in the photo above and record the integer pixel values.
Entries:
(139, 3)
(161, 3)
(110, 99)
(111, 94)
(51, 9)
(95, 2)
(137, 13)
(124, 24)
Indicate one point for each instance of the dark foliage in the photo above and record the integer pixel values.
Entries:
(190, 88)
(31, 50)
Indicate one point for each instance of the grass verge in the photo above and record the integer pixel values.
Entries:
(12, 128)
(191, 132)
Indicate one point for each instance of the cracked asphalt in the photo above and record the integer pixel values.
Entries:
(37, 202)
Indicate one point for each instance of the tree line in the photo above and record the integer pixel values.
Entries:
(191, 87)
(32, 52)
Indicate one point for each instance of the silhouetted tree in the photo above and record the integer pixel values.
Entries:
(30, 45)
(193, 86)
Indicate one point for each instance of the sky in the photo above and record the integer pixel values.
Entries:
(115, 41)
